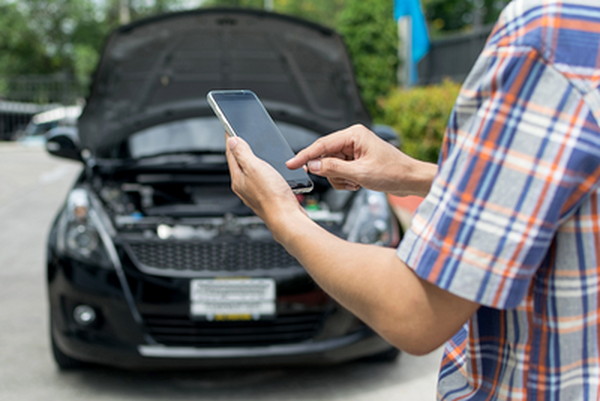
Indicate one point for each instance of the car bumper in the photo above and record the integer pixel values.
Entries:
(143, 356)
(121, 339)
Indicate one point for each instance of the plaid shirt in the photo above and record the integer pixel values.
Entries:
(513, 218)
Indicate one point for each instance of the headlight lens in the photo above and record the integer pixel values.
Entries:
(79, 231)
(82, 239)
(370, 220)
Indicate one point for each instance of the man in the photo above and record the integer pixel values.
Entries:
(503, 256)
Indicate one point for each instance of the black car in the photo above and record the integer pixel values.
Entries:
(152, 261)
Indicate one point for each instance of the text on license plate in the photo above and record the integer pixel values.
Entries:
(232, 299)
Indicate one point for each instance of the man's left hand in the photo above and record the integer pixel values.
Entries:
(257, 183)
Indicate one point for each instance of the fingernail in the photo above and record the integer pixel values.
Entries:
(232, 142)
(314, 166)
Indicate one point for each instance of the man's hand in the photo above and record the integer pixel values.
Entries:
(258, 184)
(356, 157)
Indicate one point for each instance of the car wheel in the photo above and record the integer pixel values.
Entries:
(64, 361)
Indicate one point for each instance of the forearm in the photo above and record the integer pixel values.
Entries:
(370, 281)
(413, 178)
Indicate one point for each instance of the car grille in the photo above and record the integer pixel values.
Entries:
(210, 256)
(181, 331)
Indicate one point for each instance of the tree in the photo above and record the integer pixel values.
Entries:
(20, 48)
(453, 15)
(322, 12)
(23, 51)
(319, 11)
(234, 3)
(117, 12)
(371, 35)
(63, 27)
(46, 37)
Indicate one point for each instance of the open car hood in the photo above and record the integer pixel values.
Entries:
(160, 69)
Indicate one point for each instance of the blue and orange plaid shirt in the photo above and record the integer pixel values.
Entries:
(512, 220)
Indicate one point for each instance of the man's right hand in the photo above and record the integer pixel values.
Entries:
(356, 157)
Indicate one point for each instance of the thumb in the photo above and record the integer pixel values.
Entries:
(239, 150)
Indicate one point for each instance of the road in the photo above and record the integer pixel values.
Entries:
(32, 186)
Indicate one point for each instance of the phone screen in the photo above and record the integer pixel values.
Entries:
(244, 115)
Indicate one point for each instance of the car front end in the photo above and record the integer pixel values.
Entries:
(136, 289)
(153, 262)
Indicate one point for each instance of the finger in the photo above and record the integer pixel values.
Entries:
(337, 183)
(241, 152)
(334, 167)
(328, 145)
(340, 183)
(322, 146)
(350, 186)
(234, 168)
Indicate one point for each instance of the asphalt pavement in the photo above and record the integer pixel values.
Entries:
(32, 186)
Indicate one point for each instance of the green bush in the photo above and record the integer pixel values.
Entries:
(420, 116)
(371, 36)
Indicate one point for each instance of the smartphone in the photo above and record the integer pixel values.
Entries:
(242, 114)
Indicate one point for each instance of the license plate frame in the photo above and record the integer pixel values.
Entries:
(232, 299)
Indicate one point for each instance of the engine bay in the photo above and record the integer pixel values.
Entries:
(192, 207)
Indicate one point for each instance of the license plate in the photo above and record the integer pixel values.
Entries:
(232, 299)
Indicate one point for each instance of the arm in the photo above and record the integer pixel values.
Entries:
(356, 157)
(370, 281)
(375, 285)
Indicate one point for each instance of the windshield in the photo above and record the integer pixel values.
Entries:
(201, 134)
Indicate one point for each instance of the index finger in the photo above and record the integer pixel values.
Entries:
(330, 145)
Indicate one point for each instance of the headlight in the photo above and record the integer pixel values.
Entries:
(79, 231)
(370, 220)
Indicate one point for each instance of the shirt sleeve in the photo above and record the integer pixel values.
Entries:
(521, 151)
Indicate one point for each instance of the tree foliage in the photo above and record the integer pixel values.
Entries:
(68, 31)
(45, 37)
(371, 36)
(20, 49)
(420, 115)
(66, 36)
(319, 11)
(453, 15)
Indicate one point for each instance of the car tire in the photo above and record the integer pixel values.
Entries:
(64, 361)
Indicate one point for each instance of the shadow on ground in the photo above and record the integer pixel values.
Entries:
(320, 383)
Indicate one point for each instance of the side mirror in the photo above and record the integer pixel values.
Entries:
(64, 142)
(388, 134)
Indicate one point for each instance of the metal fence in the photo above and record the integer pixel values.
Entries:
(452, 57)
(23, 96)
(41, 89)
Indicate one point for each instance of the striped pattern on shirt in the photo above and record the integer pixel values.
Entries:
(513, 218)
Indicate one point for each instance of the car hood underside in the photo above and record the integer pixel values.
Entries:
(160, 69)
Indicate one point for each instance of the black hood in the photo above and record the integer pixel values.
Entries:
(160, 69)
